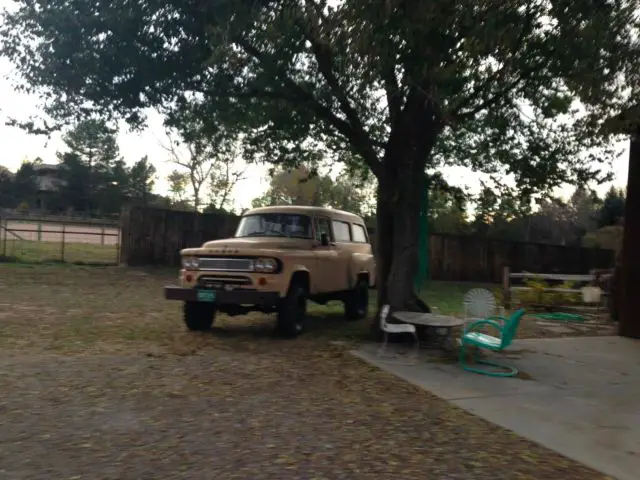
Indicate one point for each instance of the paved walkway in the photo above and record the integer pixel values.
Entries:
(582, 399)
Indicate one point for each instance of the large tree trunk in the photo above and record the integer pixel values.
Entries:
(629, 271)
(398, 228)
(400, 193)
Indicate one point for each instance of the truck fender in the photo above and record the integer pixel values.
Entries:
(360, 264)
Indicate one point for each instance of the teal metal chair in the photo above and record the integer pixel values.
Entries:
(506, 327)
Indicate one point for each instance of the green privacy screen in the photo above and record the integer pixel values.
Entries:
(423, 242)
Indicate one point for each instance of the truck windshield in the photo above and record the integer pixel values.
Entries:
(274, 225)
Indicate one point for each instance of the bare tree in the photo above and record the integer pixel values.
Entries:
(207, 161)
(198, 162)
(224, 176)
(177, 185)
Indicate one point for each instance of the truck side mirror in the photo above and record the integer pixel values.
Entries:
(324, 239)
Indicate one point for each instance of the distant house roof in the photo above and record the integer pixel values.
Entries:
(47, 177)
(46, 167)
(49, 184)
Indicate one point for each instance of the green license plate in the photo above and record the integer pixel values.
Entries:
(206, 296)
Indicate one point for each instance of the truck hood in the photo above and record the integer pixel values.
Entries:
(231, 246)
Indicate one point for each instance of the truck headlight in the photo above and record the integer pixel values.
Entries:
(190, 263)
(265, 265)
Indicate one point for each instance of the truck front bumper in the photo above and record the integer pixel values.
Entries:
(221, 297)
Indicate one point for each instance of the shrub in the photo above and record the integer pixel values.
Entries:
(609, 238)
(538, 296)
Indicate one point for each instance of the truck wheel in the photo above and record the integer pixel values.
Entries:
(198, 316)
(356, 305)
(293, 311)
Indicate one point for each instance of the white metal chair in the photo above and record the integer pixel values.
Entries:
(479, 303)
(388, 328)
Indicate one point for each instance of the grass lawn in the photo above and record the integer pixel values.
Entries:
(77, 308)
(99, 379)
(31, 251)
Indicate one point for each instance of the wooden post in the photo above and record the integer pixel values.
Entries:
(62, 247)
(118, 243)
(39, 231)
(4, 243)
(102, 237)
(629, 323)
(123, 236)
(506, 287)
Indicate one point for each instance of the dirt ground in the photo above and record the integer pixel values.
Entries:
(98, 380)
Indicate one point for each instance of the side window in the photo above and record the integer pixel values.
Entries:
(359, 233)
(322, 226)
(341, 231)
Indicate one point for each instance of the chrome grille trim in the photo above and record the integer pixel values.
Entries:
(211, 280)
(225, 264)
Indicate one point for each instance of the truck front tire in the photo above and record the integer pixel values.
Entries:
(356, 305)
(292, 313)
(199, 316)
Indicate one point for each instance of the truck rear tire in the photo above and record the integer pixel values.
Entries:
(292, 313)
(198, 316)
(356, 305)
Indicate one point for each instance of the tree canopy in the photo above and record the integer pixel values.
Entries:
(395, 87)
(345, 75)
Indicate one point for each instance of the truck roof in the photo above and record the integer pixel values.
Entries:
(308, 210)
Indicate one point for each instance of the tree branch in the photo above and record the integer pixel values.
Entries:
(492, 100)
(394, 99)
(457, 114)
(345, 128)
(324, 57)
(268, 94)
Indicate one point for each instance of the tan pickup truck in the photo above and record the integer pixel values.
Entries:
(279, 258)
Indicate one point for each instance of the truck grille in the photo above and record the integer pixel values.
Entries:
(227, 283)
(226, 264)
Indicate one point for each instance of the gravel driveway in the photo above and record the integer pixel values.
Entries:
(246, 415)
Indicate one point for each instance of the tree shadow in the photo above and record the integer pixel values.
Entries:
(329, 325)
(251, 326)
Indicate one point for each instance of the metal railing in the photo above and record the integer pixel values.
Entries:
(24, 239)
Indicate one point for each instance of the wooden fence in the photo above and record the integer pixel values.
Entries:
(468, 258)
(153, 236)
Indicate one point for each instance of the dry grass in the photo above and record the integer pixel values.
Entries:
(46, 242)
(77, 309)
(28, 251)
(100, 380)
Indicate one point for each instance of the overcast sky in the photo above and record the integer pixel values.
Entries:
(17, 146)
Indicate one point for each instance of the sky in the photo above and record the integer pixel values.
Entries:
(18, 146)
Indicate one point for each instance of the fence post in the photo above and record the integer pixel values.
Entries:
(39, 231)
(62, 248)
(4, 230)
(506, 291)
(102, 236)
(118, 243)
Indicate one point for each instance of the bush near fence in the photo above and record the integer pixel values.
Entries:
(153, 236)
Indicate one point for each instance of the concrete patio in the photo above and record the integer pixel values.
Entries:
(582, 398)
